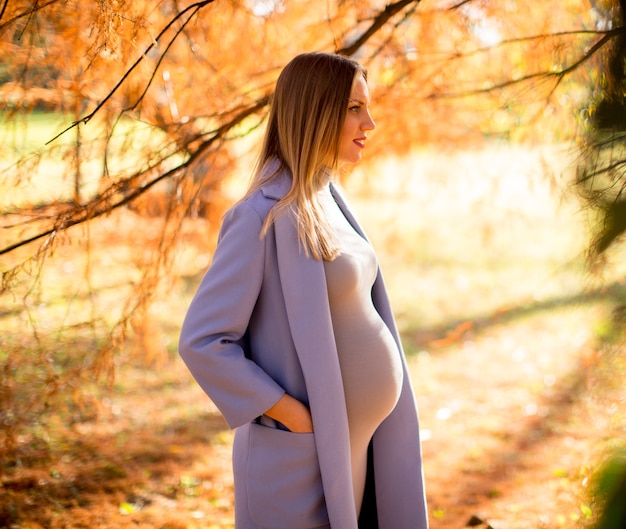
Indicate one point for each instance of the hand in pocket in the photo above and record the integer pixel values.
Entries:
(292, 413)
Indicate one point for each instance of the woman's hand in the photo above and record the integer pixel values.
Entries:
(292, 413)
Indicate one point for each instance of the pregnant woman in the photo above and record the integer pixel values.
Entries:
(291, 333)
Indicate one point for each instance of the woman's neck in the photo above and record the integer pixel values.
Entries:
(325, 176)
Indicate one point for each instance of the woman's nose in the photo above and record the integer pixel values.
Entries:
(369, 123)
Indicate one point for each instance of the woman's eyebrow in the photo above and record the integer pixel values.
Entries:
(356, 101)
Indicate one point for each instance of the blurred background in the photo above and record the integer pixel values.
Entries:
(492, 190)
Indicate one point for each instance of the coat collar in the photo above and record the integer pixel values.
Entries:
(280, 184)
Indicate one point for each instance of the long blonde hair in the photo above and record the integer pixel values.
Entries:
(304, 128)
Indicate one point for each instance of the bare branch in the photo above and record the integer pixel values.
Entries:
(598, 170)
(163, 55)
(378, 22)
(407, 15)
(27, 13)
(459, 5)
(584, 32)
(4, 7)
(559, 75)
(96, 208)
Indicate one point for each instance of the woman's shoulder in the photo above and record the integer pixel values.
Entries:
(262, 199)
(254, 205)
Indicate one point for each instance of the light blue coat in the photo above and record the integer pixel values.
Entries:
(260, 325)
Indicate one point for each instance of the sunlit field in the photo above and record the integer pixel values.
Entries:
(483, 253)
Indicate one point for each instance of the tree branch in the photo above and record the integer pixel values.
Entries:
(584, 32)
(560, 74)
(378, 22)
(100, 205)
(459, 5)
(4, 7)
(163, 55)
(407, 15)
(27, 13)
(195, 7)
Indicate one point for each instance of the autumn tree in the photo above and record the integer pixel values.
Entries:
(156, 104)
(602, 178)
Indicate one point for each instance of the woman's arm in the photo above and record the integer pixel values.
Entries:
(212, 342)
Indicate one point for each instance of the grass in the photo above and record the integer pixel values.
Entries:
(491, 225)
(38, 170)
(482, 251)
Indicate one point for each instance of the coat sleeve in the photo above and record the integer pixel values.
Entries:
(213, 332)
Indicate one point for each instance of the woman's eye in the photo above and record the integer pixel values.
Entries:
(354, 108)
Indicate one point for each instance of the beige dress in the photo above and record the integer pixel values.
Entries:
(371, 368)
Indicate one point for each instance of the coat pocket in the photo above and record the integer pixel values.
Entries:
(284, 482)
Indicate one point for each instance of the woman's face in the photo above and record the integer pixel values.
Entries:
(358, 121)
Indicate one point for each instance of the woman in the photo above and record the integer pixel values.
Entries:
(291, 333)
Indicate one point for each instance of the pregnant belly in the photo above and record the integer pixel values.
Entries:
(371, 371)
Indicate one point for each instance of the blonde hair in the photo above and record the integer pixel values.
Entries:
(306, 118)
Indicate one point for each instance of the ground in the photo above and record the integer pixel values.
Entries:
(515, 417)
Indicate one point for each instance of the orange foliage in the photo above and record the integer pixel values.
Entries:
(426, 61)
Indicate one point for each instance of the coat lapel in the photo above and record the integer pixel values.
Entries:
(346, 210)
(303, 281)
(304, 287)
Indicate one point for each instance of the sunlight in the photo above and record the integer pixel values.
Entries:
(485, 29)
(265, 8)
(487, 33)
